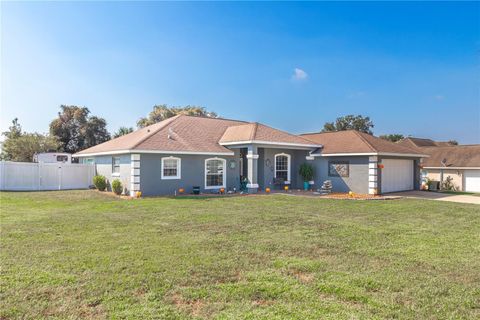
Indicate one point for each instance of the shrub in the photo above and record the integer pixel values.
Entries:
(306, 171)
(448, 184)
(100, 182)
(117, 187)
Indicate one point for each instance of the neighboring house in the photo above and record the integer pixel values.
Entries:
(213, 153)
(460, 162)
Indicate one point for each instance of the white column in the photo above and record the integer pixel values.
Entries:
(135, 174)
(373, 175)
(252, 168)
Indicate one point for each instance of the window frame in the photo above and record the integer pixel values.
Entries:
(289, 165)
(64, 157)
(224, 174)
(179, 168)
(115, 174)
(339, 162)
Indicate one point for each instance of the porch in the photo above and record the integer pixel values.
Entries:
(264, 167)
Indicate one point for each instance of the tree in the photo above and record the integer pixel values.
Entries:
(122, 131)
(453, 142)
(14, 131)
(162, 112)
(20, 146)
(77, 130)
(394, 137)
(350, 122)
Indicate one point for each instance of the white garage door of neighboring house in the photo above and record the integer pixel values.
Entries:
(472, 180)
(397, 175)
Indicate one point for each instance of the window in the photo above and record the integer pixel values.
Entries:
(116, 166)
(338, 169)
(62, 158)
(282, 167)
(90, 161)
(215, 173)
(171, 168)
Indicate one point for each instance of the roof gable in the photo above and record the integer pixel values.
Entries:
(258, 133)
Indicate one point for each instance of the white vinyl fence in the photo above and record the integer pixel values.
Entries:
(45, 176)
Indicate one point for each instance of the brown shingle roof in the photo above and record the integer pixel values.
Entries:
(456, 156)
(184, 133)
(180, 133)
(352, 141)
(260, 133)
(412, 142)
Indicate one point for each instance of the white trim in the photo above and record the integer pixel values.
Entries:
(271, 143)
(252, 185)
(116, 174)
(106, 153)
(252, 156)
(288, 167)
(413, 155)
(179, 168)
(310, 158)
(224, 182)
(453, 168)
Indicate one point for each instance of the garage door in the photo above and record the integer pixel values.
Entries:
(397, 175)
(472, 180)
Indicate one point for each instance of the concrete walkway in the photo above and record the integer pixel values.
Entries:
(462, 198)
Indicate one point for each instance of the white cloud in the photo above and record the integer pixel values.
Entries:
(299, 75)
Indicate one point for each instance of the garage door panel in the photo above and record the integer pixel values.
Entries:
(472, 180)
(397, 175)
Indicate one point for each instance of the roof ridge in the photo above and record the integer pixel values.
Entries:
(286, 132)
(214, 118)
(160, 127)
(364, 140)
(254, 131)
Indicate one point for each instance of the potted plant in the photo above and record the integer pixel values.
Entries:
(306, 171)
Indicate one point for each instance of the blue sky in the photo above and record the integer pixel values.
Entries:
(412, 67)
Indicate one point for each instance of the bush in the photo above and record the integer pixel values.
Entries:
(117, 187)
(448, 184)
(100, 182)
(306, 171)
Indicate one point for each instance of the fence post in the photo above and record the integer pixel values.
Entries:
(59, 173)
(39, 180)
(2, 173)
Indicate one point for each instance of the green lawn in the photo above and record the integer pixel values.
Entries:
(82, 254)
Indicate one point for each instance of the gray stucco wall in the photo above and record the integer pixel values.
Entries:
(266, 173)
(357, 181)
(103, 165)
(192, 174)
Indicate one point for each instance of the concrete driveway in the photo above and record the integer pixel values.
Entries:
(463, 198)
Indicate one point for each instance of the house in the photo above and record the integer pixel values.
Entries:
(213, 153)
(373, 165)
(460, 162)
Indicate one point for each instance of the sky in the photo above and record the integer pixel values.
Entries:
(412, 67)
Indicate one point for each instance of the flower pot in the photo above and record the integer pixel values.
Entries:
(306, 185)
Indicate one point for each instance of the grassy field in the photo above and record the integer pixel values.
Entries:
(82, 254)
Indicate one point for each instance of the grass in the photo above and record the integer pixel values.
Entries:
(81, 254)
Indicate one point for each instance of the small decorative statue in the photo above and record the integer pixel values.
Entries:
(326, 186)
